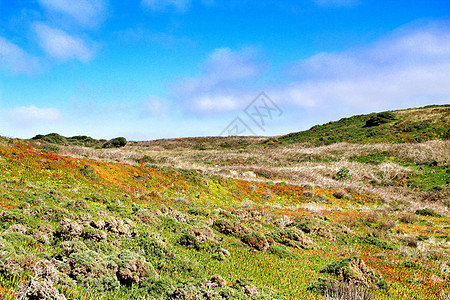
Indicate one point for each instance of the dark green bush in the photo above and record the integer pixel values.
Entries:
(382, 284)
(83, 138)
(343, 174)
(302, 224)
(147, 159)
(410, 264)
(336, 266)
(53, 138)
(446, 135)
(157, 288)
(115, 143)
(256, 240)
(427, 212)
(380, 118)
(187, 239)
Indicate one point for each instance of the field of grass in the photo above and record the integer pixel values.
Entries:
(229, 218)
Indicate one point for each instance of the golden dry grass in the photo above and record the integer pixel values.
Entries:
(429, 114)
(299, 164)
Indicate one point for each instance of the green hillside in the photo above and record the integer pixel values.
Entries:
(401, 126)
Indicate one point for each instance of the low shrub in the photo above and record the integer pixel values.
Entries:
(333, 289)
(343, 174)
(256, 240)
(230, 227)
(157, 288)
(281, 252)
(115, 143)
(53, 138)
(410, 264)
(380, 118)
(427, 212)
(292, 237)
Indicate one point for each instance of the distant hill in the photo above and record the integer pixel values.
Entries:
(401, 126)
(51, 140)
(201, 143)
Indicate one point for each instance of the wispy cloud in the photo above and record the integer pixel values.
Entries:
(15, 60)
(412, 66)
(140, 34)
(220, 85)
(337, 3)
(177, 5)
(162, 5)
(29, 116)
(62, 46)
(154, 107)
(88, 13)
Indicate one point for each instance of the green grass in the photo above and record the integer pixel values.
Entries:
(399, 127)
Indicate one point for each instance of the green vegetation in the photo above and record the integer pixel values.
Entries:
(115, 143)
(57, 139)
(413, 125)
(89, 172)
(380, 118)
(428, 212)
(343, 174)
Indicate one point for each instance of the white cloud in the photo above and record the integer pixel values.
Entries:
(215, 103)
(225, 64)
(61, 45)
(29, 116)
(219, 87)
(15, 59)
(87, 13)
(410, 67)
(154, 107)
(161, 5)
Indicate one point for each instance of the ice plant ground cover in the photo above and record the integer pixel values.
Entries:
(233, 218)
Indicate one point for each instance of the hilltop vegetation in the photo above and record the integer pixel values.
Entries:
(227, 218)
(403, 126)
(53, 141)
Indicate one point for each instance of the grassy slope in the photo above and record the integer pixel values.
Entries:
(41, 189)
(412, 125)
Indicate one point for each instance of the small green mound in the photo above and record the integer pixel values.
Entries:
(380, 118)
(53, 138)
(57, 139)
(428, 212)
(281, 252)
(336, 266)
(115, 143)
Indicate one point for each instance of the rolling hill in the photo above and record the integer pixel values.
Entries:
(401, 126)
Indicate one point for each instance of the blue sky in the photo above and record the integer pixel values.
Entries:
(148, 69)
